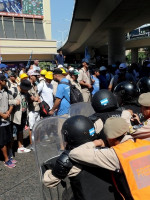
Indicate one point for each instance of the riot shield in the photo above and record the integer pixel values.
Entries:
(48, 144)
(82, 108)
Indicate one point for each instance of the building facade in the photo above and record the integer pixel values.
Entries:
(25, 27)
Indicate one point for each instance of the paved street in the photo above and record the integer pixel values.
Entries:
(20, 183)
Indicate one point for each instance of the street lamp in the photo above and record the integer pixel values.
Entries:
(62, 35)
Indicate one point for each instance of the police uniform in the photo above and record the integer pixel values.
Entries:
(120, 155)
(86, 181)
(85, 76)
(141, 131)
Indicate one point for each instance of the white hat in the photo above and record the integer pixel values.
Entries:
(32, 72)
(102, 68)
(122, 66)
(60, 66)
(71, 69)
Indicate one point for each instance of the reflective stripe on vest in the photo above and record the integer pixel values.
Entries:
(135, 161)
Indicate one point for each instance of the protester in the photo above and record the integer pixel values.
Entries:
(103, 78)
(122, 75)
(96, 81)
(34, 100)
(60, 58)
(74, 79)
(62, 99)
(45, 90)
(19, 114)
(42, 75)
(36, 65)
(5, 127)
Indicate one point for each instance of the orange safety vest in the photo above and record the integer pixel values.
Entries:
(135, 161)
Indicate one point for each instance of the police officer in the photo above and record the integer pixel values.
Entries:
(142, 129)
(127, 94)
(124, 155)
(144, 85)
(86, 182)
(105, 105)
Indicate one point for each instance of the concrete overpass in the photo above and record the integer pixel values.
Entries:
(101, 23)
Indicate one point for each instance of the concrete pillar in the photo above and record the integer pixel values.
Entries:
(116, 45)
(134, 55)
(47, 19)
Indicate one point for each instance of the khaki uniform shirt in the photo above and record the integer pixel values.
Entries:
(51, 181)
(90, 155)
(33, 106)
(85, 77)
(5, 99)
(16, 114)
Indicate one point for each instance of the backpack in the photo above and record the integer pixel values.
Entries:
(75, 94)
(44, 109)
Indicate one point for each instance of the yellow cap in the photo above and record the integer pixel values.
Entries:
(49, 75)
(63, 71)
(23, 75)
(43, 72)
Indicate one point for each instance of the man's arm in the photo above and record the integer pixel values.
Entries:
(55, 106)
(89, 155)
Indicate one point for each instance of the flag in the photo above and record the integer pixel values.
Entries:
(29, 61)
(87, 55)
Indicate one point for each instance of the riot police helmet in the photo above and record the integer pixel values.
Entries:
(126, 92)
(78, 130)
(104, 101)
(144, 85)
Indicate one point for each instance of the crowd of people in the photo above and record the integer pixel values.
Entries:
(27, 95)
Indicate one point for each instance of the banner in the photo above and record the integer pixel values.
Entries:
(22, 8)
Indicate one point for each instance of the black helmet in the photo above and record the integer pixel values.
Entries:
(104, 101)
(126, 92)
(78, 130)
(144, 85)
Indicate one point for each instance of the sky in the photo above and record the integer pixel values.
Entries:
(61, 15)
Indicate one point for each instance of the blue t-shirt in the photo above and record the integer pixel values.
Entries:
(60, 59)
(63, 93)
(96, 85)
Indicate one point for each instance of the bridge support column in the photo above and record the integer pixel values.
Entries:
(134, 55)
(116, 45)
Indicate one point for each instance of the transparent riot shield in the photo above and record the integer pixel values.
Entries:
(82, 108)
(48, 144)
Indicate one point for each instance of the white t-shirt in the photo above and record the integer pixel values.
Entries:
(45, 91)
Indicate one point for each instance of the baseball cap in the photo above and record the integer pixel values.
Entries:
(122, 66)
(60, 66)
(2, 77)
(57, 71)
(74, 72)
(85, 60)
(115, 127)
(32, 72)
(11, 73)
(25, 85)
(102, 68)
(144, 99)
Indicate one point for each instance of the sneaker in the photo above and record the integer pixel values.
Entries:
(23, 150)
(30, 147)
(9, 164)
(13, 161)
